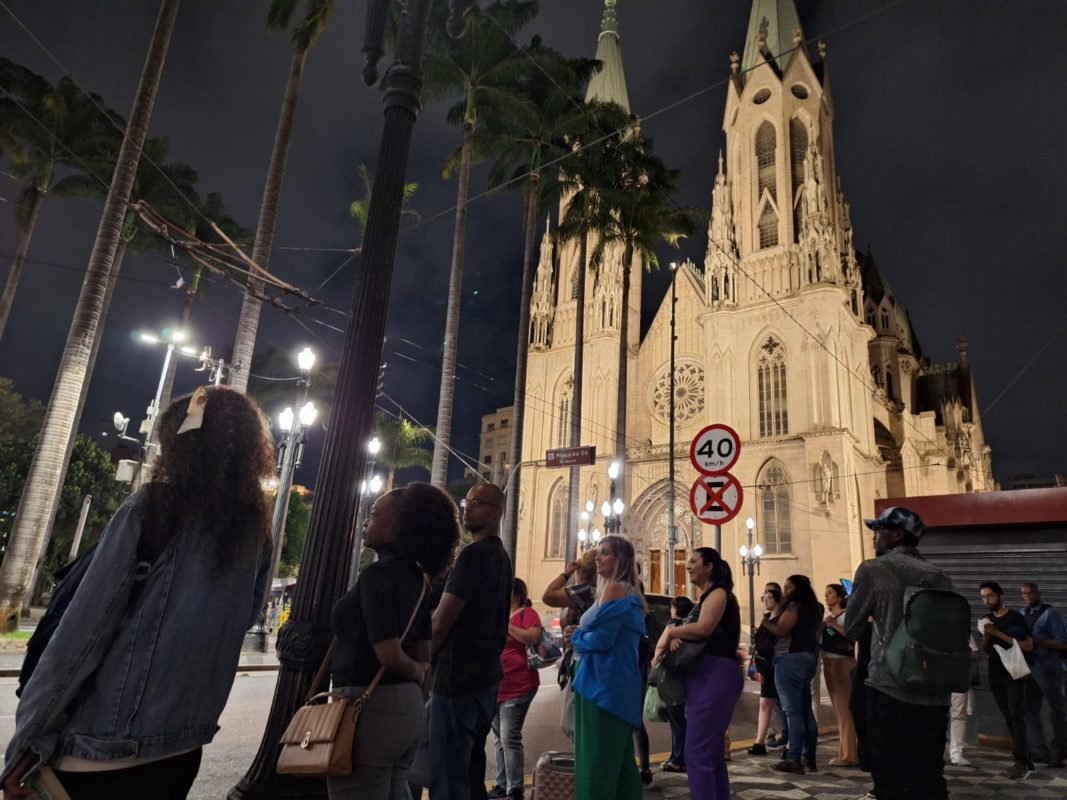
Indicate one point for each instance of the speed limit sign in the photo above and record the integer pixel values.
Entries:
(715, 449)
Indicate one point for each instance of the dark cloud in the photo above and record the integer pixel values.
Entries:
(948, 132)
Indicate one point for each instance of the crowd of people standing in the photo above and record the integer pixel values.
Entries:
(437, 641)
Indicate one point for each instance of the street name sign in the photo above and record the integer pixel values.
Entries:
(716, 499)
(715, 449)
(582, 456)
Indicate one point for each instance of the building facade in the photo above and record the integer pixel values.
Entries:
(493, 449)
(784, 332)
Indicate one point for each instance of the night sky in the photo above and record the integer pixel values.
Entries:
(950, 122)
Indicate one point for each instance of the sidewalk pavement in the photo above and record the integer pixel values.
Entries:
(751, 778)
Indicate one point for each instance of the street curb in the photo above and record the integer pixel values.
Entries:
(14, 673)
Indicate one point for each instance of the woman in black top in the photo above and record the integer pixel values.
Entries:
(713, 688)
(795, 652)
(414, 531)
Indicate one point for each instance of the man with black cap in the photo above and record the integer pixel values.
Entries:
(905, 730)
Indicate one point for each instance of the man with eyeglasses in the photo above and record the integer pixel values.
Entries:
(470, 628)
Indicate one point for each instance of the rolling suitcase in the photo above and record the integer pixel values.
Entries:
(553, 777)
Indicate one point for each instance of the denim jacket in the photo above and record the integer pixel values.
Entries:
(146, 679)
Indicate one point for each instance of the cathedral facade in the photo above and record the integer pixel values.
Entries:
(784, 332)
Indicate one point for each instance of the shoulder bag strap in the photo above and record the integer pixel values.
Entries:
(325, 666)
(411, 621)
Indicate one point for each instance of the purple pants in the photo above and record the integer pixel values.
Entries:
(711, 694)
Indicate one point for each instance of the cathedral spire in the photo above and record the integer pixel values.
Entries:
(773, 28)
(609, 85)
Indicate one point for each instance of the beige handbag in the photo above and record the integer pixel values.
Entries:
(319, 740)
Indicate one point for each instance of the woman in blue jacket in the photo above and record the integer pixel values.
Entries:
(607, 681)
(133, 682)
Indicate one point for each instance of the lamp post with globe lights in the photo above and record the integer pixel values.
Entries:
(750, 558)
(612, 509)
(294, 427)
(369, 488)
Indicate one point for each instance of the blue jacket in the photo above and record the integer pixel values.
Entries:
(146, 679)
(606, 643)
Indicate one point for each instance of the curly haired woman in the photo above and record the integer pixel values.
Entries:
(121, 704)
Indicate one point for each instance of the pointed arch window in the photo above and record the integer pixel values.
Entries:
(557, 520)
(771, 389)
(563, 414)
(766, 143)
(776, 523)
(884, 319)
(889, 383)
(768, 227)
(798, 149)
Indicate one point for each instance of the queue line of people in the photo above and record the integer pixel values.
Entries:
(196, 537)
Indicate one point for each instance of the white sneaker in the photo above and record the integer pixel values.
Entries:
(960, 761)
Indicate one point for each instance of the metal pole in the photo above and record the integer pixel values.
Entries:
(751, 594)
(303, 640)
(86, 503)
(281, 502)
(672, 533)
(717, 538)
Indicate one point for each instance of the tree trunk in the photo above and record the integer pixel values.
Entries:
(248, 324)
(624, 364)
(576, 400)
(439, 473)
(120, 253)
(24, 235)
(44, 477)
(511, 516)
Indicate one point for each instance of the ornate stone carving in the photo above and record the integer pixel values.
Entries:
(688, 392)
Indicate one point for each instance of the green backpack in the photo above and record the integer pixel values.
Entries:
(930, 652)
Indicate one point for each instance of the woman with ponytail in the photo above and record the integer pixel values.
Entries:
(713, 688)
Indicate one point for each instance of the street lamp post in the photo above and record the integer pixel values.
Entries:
(373, 484)
(612, 509)
(304, 639)
(672, 533)
(750, 558)
(294, 437)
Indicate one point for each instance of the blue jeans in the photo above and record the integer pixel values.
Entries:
(1046, 683)
(457, 725)
(793, 674)
(507, 732)
(676, 719)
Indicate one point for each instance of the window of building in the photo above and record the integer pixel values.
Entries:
(557, 521)
(798, 149)
(771, 389)
(884, 320)
(488, 459)
(766, 141)
(503, 423)
(492, 427)
(889, 383)
(775, 526)
(870, 317)
(768, 227)
(563, 416)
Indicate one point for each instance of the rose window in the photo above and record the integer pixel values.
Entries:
(688, 393)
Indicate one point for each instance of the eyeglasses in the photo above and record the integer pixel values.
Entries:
(476, 502)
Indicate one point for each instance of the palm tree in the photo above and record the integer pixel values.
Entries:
(402, 445)
(45, 130)
(304, 36)
(482, 68)
(167, 189)
(42, 481)
(521, 144)
(587, 179)
(360, 209)
(643, 216)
